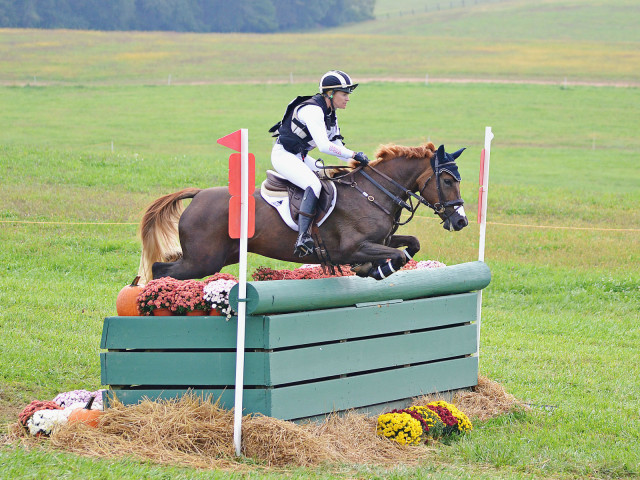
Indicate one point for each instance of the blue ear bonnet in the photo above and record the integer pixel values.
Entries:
(446, 162)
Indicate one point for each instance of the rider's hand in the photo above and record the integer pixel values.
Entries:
(361, 158)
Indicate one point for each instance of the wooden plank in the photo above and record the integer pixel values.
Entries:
(326, 360)
(285, 366)
(180, 368)
(277, 331)
(254, 400)
(307, 400)
(364, 392)
(275, 296)
(319, 326)
(178, 332)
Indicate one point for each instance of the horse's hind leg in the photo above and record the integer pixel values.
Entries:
(184, 269)
(199, 259)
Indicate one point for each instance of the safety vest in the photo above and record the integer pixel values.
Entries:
(294, 135)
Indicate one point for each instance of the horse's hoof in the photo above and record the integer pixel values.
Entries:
(362, 270)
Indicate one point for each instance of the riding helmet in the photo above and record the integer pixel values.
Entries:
(336, 80)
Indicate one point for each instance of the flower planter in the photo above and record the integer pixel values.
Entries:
(197, 313)
(162, 312)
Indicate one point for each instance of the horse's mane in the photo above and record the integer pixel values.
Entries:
(391, 150)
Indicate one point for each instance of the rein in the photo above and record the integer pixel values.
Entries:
(438, 208)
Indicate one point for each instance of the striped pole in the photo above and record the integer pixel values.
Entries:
(482, 216)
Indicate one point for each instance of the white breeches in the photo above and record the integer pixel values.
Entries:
(294, 169)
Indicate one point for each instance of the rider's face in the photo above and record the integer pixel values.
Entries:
(340, 99)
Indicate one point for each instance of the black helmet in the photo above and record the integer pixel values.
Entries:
(336, 80)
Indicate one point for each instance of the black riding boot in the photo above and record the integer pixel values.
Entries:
(304, 244)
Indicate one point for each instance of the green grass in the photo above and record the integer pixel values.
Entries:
(493, 20)
(560, 315)
(559, 318)
(553, 40)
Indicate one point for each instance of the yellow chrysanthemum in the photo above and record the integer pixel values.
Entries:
(401, 427)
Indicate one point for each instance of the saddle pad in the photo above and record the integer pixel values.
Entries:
(286, 198)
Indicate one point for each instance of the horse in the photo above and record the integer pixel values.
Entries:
(360, 232)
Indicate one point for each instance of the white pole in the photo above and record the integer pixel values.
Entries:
(242, 289)
(484, 189)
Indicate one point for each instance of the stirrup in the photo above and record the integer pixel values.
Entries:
(304, 246)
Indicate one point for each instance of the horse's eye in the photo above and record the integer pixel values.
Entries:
(448, 183)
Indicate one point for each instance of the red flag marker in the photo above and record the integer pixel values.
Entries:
(232, 141)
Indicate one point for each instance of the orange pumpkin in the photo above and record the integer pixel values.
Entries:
(126, 302)
(86, 415)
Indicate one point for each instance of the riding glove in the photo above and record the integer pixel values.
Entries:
(361, 158)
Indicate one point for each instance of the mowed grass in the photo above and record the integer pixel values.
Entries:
(541, 41)
(559, 318)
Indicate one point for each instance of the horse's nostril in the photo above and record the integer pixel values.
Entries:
(463, 222)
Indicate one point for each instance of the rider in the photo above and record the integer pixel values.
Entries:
(311, 122)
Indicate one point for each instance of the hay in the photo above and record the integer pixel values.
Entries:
(487, 400)
(195, 433)
(279, 443)
(353, 438)
(187, 431)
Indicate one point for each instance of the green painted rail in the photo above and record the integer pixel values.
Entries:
(276, 296)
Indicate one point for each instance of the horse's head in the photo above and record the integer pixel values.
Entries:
(442, 189)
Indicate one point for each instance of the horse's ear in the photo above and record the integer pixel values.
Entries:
(439, 156)
(457, 154)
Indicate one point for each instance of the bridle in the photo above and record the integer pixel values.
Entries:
(438, 208)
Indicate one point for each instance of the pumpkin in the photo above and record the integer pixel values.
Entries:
(126, 302)
(86, 415)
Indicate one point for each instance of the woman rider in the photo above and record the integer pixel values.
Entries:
(311, 122)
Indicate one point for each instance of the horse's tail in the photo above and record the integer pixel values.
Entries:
(159, 231)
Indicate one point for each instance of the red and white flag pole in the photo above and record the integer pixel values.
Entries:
(242, 208)
(482, 216)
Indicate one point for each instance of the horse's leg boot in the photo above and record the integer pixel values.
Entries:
(304, 243)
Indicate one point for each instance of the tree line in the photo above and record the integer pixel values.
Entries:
(259, 16)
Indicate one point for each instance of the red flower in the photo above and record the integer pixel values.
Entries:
(445, 415)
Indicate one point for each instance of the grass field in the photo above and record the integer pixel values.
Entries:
(82, 156)
(543, 41)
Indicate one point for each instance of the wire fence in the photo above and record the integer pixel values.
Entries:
(502, 224)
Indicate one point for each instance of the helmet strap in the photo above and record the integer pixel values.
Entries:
(330, 97)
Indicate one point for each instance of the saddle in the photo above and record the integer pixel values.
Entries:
(286, 197)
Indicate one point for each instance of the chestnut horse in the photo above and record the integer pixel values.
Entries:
(359, 232)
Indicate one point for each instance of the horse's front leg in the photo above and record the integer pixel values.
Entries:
(378, 261)
(409, 241)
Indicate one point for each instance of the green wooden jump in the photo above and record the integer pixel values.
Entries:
(382, 345)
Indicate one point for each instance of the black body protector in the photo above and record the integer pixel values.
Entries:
(294, 135)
